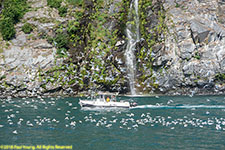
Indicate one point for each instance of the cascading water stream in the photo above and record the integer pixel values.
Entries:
(133, 36)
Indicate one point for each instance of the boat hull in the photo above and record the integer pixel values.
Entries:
(87, 103)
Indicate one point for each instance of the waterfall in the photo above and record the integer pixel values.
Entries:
(133, 36)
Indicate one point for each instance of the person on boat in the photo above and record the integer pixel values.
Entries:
(107, 99)
(113, 98)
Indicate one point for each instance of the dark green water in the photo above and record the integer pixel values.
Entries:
(158, 123)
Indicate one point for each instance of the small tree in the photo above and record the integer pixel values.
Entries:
(54, 3)
(62, 11)
(27, 28)
(7, 28)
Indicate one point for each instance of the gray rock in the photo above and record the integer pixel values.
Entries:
(222, 64)
(43, 45)
(2, 62)
(178, 16)
(45, 26)
(161, 61)
(212, 37)
(188, 68)
(199, 31)
(20, 39)
(40, 13)
(182, 34)
(38, 4)
(207, 54)
(187, 50)
(220, 31)
(220, 55)
(15, 56)
(157, 48)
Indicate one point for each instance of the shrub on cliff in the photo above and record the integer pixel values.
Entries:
(62, 11)
(13, 11)
(27, 28)
(61, 40)
(7, 28)
(61, 52)
(57, 4)
(76, 2)
(54, 3)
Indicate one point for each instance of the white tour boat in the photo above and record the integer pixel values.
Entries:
(106, 100)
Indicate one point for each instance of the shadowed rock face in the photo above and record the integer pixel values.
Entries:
(190, 59)
(199, 31)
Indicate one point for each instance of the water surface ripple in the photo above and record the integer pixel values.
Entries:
(156, 123)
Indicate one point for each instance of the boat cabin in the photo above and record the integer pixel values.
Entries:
(106, 96)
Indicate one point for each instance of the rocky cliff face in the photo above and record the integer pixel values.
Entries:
(188, 59)
(194, 48)
(22, 57)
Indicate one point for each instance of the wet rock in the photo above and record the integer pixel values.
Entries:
(53, 89)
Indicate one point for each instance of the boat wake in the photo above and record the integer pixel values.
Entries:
(179, 107)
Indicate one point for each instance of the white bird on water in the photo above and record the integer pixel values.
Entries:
(15, 132)
(29, 124)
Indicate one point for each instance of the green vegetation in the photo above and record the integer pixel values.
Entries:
(62, 11)
(54, 3)
(27, 28)
(197, 55)
(76, 2)
(57, 5)
(90, 41)
(177, 5)
(61, 40)
(153, 34)
(44, 20)
(12, 12)
(7, 28)
(14, 9)
(2, 77)
(220, 76)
